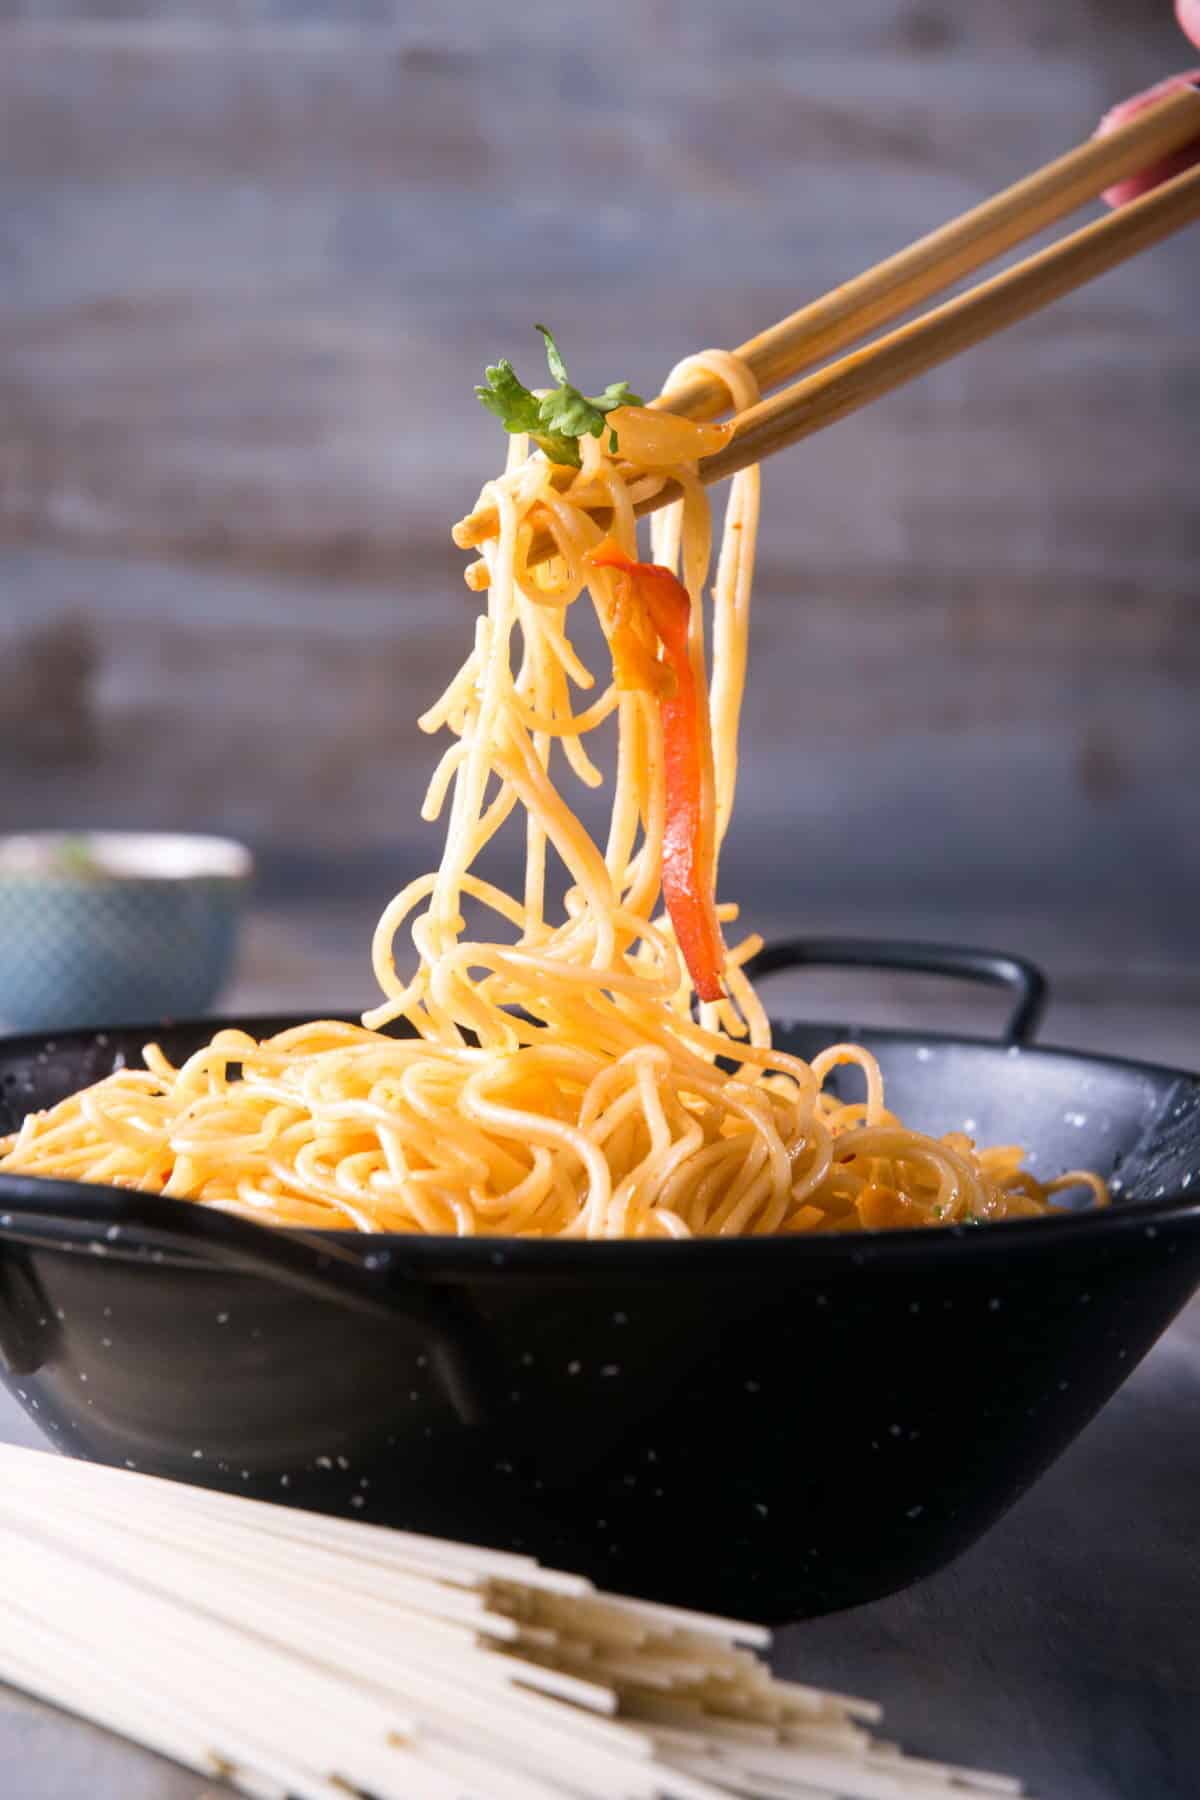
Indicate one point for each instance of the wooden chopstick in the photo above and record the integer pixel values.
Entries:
(853, 381)
(925, 268)
(934, 262)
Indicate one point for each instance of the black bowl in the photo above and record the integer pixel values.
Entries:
(770, 1428)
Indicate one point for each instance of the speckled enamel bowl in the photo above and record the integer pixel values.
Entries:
(106, 927)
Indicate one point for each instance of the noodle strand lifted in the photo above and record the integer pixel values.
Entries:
(553, 1079)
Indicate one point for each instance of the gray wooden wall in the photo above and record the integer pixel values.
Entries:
(252, 257)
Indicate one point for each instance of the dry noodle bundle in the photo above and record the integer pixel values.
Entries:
(301, 1657)
(559, 1079)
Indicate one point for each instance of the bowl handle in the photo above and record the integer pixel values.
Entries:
(106, 1221)
(1023, 980)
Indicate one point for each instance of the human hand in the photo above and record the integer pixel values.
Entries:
(1188, 14)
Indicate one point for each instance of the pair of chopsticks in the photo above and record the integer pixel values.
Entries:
(881, 294)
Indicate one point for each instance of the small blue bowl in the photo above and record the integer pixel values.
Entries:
(103, 927)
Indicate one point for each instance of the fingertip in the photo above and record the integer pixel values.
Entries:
(1124, 191)
(1188, 14)
(1117, 115)
(1132, 189)
(1124, 110)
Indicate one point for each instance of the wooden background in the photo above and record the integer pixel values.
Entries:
(252, 258)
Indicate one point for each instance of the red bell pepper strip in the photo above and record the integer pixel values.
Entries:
(687, 845)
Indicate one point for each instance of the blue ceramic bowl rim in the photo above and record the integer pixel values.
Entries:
(125, 859)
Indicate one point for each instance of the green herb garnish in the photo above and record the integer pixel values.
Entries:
(557, 420)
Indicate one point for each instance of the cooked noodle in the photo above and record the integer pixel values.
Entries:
(556, 1081)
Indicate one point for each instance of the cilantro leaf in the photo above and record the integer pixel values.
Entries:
(617, 393)
(508, 397)
(559, 448)
(558, 367)
(557, 420)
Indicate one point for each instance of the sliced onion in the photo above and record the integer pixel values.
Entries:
(660, 440)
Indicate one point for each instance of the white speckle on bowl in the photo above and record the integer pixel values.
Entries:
(970, 1125)
(357, 1500)
(760, 1509)
(995, 1303)
(324, 1462)
(924, 1053)
(285, 1481)
(422, 1361)
(97, 1249)
(608, 1370)
(620, 1318)
(573, 1368)
(106, 1343)
(197, 1456)
(343, 1462)
(1077, 1119)
(896, 1430)
(82, 1375)
(914, 1306)
(754, 1387)
(129, 1463)
(1013, 1050)
(222, 1318)
(914, 1512)
(1152, 1230)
